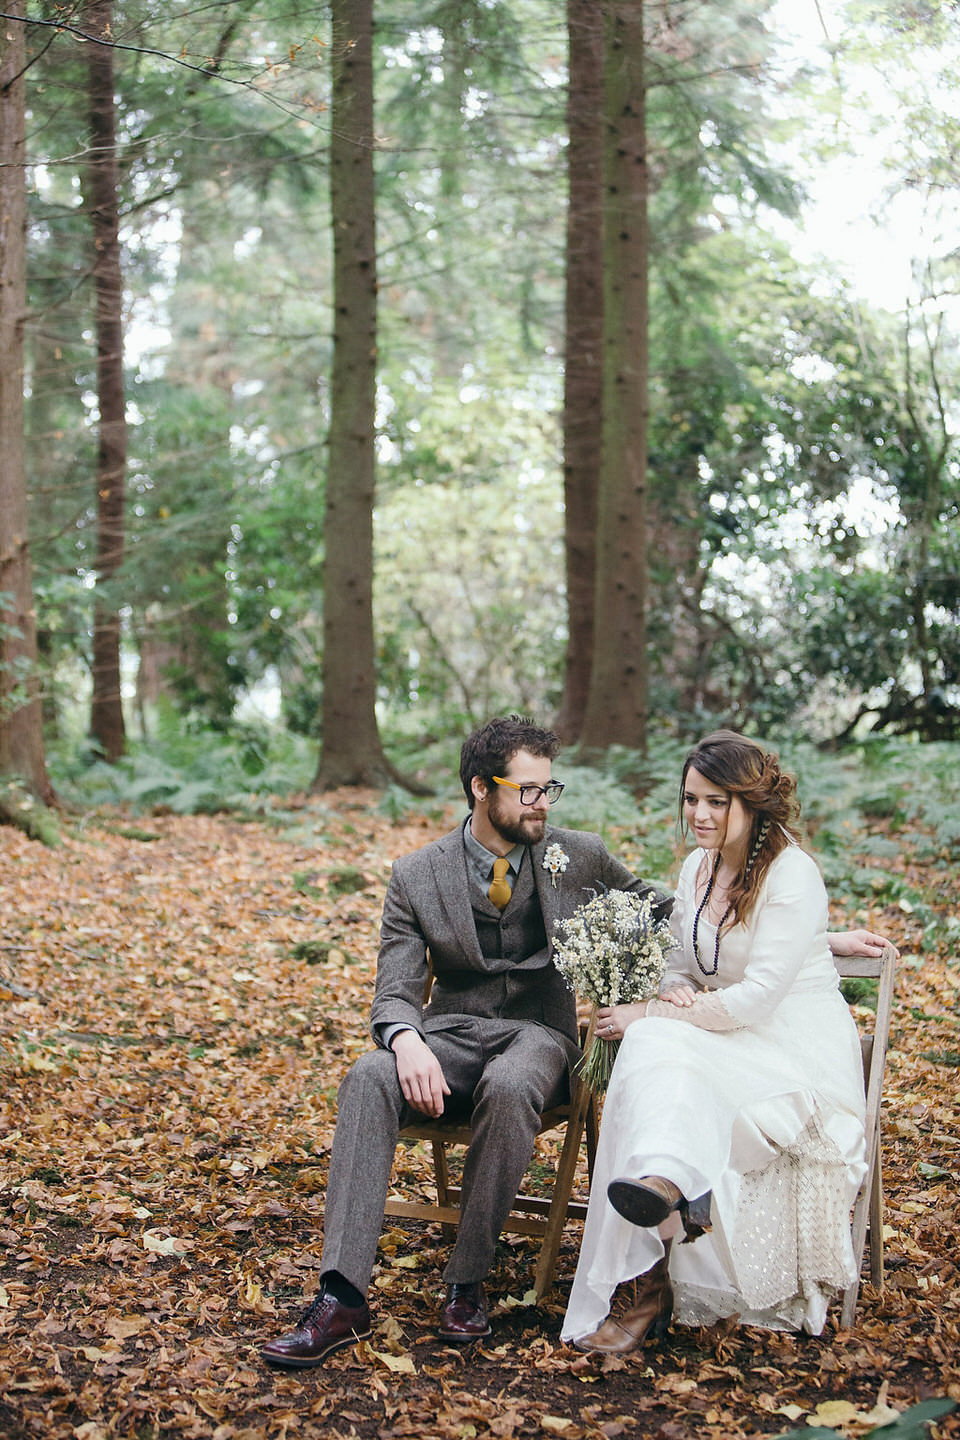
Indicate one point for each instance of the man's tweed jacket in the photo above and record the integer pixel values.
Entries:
(428, 910)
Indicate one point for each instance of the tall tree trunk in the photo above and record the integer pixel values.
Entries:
(583, 370)
(21, 720)
(106, 718)
(351, 752)
(617, 704)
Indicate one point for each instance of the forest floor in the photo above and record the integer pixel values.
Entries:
(178, 1000)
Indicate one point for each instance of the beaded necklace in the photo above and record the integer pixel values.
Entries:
(696, 921)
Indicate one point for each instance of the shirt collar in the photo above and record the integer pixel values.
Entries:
(483, 858)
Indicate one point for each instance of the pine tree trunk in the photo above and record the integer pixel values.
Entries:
(351, 752)
(583, 372)
(106, 718)
(21, 719)
(617, 704)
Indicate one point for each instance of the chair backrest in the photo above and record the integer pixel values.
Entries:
(868, 1209)
(873, 1047)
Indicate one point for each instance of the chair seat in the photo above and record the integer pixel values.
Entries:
(530, 1214)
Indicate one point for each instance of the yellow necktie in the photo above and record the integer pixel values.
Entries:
(499, 891)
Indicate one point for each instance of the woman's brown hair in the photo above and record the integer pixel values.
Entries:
(743, 768)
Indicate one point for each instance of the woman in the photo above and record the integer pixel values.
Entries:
(734, 1116)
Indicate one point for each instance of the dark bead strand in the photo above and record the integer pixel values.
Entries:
(696, 921)
(757, 847)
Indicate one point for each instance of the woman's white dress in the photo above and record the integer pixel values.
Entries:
(754, 1092)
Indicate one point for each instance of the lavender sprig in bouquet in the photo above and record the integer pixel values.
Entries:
(612, 950)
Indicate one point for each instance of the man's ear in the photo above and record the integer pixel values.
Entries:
(479, 787)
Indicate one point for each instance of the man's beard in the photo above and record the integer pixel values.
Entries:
(528, 830)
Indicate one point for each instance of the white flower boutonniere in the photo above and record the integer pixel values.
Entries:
(555, 861)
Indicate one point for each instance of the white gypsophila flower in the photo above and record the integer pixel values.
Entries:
(555, 860)
(612, 950)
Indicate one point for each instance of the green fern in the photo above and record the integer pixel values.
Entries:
(192, 773)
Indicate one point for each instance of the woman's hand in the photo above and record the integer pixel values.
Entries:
(858, 942)
(612, 1020)
(682, 995)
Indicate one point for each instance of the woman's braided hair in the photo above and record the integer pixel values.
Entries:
(768, 793)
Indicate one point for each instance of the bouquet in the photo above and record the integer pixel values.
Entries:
(612, 951)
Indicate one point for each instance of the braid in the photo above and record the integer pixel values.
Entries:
(743, 892)
(758, 845)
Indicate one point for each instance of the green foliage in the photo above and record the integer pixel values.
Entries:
(942, 1057)
(776, 405)
(136, 832)
(345, 881)
(917, 784)
(911, 1425)
(858, 990)
(195, 772)
(594, 799)
(471, 608)
(318, 952)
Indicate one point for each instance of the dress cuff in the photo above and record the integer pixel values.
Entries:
(708, 1011)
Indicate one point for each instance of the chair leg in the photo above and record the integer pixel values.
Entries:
(560, 1200)
(867, 1225)
(876, 1223)
(849, 1310)
(592, 1125)
(442, 1179)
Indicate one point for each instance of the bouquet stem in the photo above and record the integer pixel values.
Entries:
(596, 1065)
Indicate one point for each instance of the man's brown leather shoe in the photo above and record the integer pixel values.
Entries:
(464, 1316)
(326, 1327)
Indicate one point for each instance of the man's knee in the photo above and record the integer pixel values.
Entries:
(513, 1086)
(375, 1072)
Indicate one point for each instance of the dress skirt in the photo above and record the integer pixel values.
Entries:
(770, 1119)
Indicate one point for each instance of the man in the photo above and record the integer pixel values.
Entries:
(496, 1041)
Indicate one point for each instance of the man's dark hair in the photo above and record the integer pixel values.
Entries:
(489, 750)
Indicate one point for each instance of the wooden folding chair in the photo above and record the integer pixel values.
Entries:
(531, 1214)
(868, 1209)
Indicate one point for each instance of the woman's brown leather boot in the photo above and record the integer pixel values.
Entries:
(648, 1315)
(649, 1200)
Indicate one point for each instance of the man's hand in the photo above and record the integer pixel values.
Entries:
(418, 1070)
(858, 942)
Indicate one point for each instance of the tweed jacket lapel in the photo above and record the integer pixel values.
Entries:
(449, 866)
(453, 892)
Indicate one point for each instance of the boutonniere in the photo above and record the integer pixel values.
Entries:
(555, 861)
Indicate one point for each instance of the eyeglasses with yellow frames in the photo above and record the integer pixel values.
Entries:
(530, 794)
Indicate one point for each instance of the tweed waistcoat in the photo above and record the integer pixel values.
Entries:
(518, 931)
